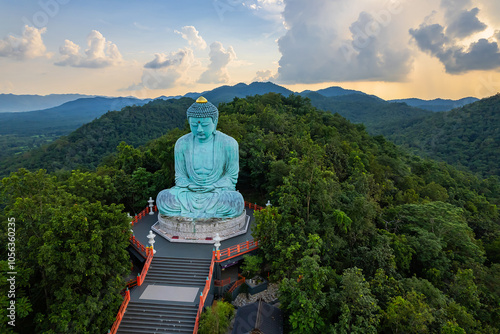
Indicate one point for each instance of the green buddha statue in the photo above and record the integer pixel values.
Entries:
(206, 170)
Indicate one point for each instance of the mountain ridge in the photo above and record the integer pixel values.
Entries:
(22, 103)
(436, 104)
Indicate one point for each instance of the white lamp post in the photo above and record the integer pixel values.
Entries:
(151, 201)
(151, 236)
(217, 241)
(268, 203)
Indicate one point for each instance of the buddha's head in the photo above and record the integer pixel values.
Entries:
(202, 117)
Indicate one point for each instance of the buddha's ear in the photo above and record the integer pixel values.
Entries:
(215, 122)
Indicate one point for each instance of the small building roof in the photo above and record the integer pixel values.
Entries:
(258, 317)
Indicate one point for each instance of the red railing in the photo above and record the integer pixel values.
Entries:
(236, 250)
(204, 294)
(121, 312)
(237, 283)
(130, 284)
(138, 246)
(253, 206)
(223, 282)
(148, 252)
(142, 276)
(142, 214)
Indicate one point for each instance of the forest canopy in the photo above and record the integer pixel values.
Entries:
(362, 236)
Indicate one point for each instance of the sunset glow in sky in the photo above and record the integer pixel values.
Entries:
(148, 48)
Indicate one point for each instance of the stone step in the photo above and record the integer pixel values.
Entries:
(151, 328)
(179, 282)
(151, 307)
(181, 260)
(172, 315)
(158, 318)
(173, 268)
(155, 271)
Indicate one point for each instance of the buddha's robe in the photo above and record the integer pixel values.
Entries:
(221, 202)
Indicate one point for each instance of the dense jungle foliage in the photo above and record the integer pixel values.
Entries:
(363, 237)
(467, 136)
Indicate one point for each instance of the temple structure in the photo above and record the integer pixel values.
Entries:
(203, 205)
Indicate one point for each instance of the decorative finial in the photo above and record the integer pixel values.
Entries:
(201, 99)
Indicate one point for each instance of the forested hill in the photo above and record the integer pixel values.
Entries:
(361, 237)
(468, 136)
(62, 119)
(370, 110)
(85, 147)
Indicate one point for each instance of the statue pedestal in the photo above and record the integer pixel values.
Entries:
(191, 230)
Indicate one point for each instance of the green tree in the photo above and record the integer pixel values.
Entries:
(216, 318)
(252, 265)
(408, 314)
(303, 296)
(75, 252)
(359, 310)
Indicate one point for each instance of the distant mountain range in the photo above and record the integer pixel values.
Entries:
(437, 104)
(64, 118)
(465, 136)
(30, 128)
(86, 146)
(17, 103)
(68, 116)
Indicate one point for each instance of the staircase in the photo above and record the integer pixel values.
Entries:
(178, 271)
(147, 318)
(144, 316)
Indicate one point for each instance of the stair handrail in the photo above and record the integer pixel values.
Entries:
(204, 294)
(142, 276)
(138, 245)
(236, 250)
(133, 240)
(237, 283)
(120, 314)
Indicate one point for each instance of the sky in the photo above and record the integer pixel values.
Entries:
(148, 48)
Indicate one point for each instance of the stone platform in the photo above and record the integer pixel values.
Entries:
(182, 229)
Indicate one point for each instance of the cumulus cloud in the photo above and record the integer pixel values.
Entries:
(217, 69)
(263, 76)
(190, 34)
(29, 45)
(99, 53)
(169, 60)
(465, 23)
(446, 43)
(166, 70)
(316, 49)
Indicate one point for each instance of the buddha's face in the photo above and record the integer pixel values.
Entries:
(202, 128)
